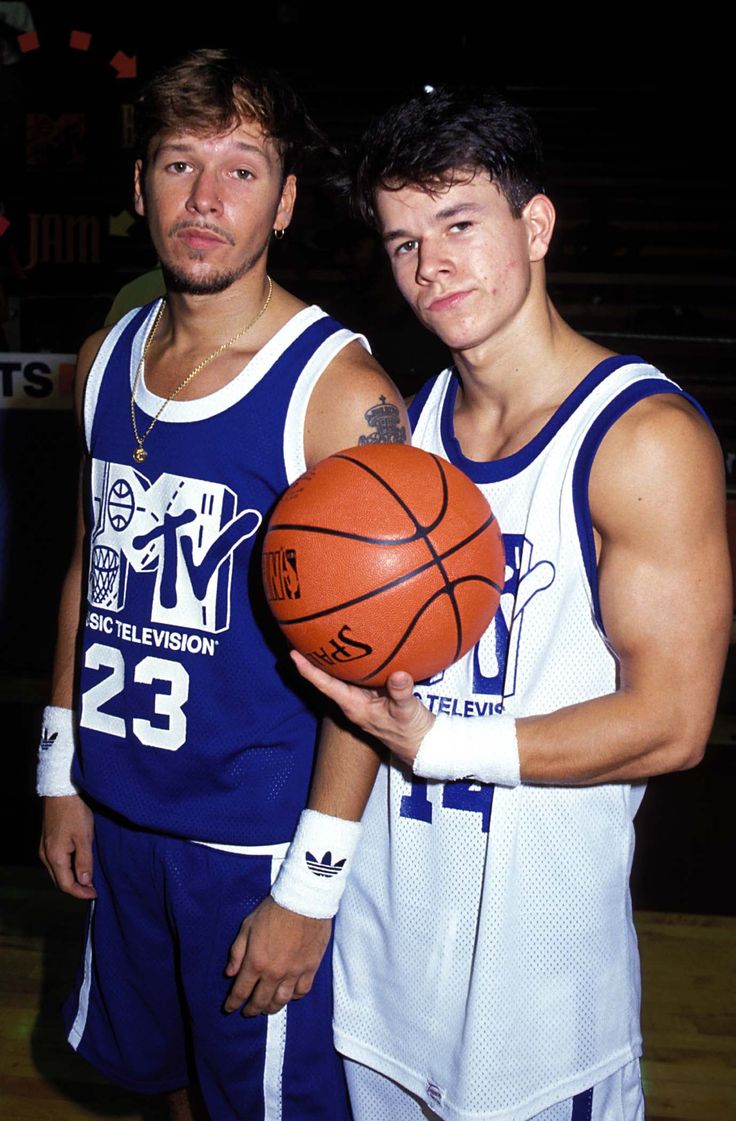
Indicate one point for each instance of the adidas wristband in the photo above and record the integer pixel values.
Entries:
(55, 753)
(314, 873)
(484, 750)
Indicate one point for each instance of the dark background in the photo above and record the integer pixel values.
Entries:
(636, 130)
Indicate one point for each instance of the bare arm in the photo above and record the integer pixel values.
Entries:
(657, 498)
(352, 385)
(66, 835)
(277, 952)
(657, 502)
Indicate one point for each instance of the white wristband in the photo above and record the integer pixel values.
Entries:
(484, 750)
(314, 873)
(55, 753)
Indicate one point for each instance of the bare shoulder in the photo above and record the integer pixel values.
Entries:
(661, 460)
(88, 351)
(354, 397)
(355, 370)
(657, 500)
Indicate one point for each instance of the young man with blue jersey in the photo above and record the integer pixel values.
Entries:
(178, 752)
(486, 960)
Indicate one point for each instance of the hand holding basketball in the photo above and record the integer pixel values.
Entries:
(393, 715)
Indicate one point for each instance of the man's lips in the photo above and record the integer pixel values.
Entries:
(448, 301)
(201, 237)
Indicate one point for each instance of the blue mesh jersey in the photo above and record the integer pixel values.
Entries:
(191, 720)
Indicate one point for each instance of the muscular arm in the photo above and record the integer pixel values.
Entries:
(66, 834)
(657, 503)
(277, 952)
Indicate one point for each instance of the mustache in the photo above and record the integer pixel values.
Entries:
(184, 225)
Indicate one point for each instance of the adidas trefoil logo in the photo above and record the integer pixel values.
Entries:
(47, 740)
(324, 867)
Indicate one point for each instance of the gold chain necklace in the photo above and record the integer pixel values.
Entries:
(139, 453)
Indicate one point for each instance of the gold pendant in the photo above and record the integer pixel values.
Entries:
(140, 455)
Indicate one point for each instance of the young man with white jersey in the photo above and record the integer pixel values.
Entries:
(178, 751)
(486, 962)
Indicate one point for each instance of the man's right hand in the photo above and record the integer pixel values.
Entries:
(66, 845)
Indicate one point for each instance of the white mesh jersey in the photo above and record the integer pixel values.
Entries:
(486, 957)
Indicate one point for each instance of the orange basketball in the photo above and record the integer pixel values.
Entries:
(381, 558)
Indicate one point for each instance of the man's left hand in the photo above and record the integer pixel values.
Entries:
(274, 958)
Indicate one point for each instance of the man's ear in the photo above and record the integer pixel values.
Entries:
(539, 216)
(138, 195)
(285, 209)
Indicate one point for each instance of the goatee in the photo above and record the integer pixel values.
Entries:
(178, 280)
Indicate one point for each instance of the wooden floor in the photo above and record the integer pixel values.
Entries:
(689, 1014)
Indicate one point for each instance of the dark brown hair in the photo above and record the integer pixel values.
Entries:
(442, 135)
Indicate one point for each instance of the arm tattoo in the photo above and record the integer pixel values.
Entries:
(384, 420)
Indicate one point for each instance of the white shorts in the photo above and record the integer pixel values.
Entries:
(376, 1098)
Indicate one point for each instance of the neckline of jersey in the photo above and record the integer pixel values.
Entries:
(487, 471)
(202, 408)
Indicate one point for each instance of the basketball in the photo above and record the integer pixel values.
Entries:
(381, 558)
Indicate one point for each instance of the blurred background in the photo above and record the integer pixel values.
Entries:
(636, 131)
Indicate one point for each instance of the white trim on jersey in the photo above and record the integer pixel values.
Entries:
(98, 367)
(80, 1020)
(294, 461)
(202, 408)
(278, 851)
(273, 1064)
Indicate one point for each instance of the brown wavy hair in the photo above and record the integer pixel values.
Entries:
(212, 91)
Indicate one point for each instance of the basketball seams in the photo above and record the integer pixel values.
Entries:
(427, 614)
(449, 584)
(405, 636)
(436, 560)
(397, 582)
(448, 591)
(421, 534)
(400, 501)
(467, 540)
(345, 534)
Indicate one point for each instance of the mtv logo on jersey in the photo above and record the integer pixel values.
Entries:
(177, 534)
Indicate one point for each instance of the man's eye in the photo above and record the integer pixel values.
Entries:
(405, 247)
(243, 173)
(460, 226)
(179, 166)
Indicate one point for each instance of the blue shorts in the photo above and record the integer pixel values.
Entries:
(147, 1006)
